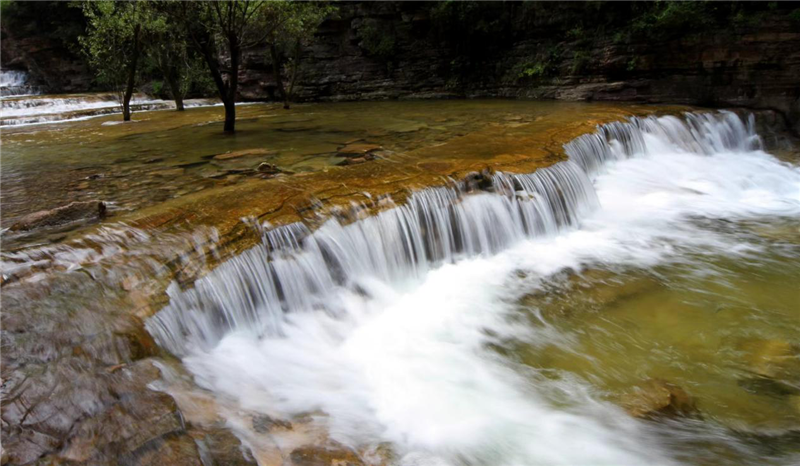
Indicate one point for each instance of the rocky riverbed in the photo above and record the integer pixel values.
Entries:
(84, 382)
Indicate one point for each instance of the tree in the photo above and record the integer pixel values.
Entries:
(294, 26)
(237, 24)
(113, 45)
(169, 53)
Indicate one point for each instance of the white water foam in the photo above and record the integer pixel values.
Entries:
(19, 111)
(402, 357)
(15, 83)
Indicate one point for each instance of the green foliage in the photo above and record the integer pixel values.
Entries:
(632, 64)
(794, 15)
(665, 17)
(580, 60)
(113, 37)
(376, 41)
(533, 70)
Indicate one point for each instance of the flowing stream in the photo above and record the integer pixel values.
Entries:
(502, 325)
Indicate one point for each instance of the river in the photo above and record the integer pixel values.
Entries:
(529, 317)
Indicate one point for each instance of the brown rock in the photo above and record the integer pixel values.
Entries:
(136, 426)
(268, 168)
(219, 446)
(86, 210)
(656, 398)
(333, 454)
(242, 153)
(169, 172)
(354, 161)
(263, 423)
(358, 148)
(771, 358)
(173, 450)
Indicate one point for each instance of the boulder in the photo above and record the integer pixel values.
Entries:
(268, 168)
(658, 398)
(85, 210)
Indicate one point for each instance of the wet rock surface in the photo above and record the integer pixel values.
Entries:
(333, 454)
(658, 398)
(73, 212)
(77, 364)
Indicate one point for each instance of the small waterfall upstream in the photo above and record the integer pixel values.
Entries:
(15, 83)
(297, 270)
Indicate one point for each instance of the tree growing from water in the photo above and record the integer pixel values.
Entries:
(221, 31)
(113, 44)
(229, 27)
(169, 53)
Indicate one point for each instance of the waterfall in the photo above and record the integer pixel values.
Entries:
(295, 269)
(15, 83)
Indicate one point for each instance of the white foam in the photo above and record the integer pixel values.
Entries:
(406, 361)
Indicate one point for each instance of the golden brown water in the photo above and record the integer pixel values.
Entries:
(726, 330)
(163, 155)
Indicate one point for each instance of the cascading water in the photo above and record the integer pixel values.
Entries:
(15, 83)
(21, 110)
(382, 323)
(295, 269)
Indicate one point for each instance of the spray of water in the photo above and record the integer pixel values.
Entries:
(382, 324)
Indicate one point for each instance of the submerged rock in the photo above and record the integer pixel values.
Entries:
(657, 398)
(85, 210)
(358, 149)
(242, 153)
(767, 386)
(355, 160)
(263, 423)
(333, 454)
(772, 358)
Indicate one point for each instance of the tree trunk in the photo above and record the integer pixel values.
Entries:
(276, 71)
(126, 99)
(233, 84)
(230, 116)
(207, 47)
(295, 67)
(175, 89)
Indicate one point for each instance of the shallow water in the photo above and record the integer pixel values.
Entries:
(509, 327)
(165, 154)
(684, 271)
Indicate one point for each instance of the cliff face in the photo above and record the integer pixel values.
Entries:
(387, 50)
(756, 64)
(42, 39)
